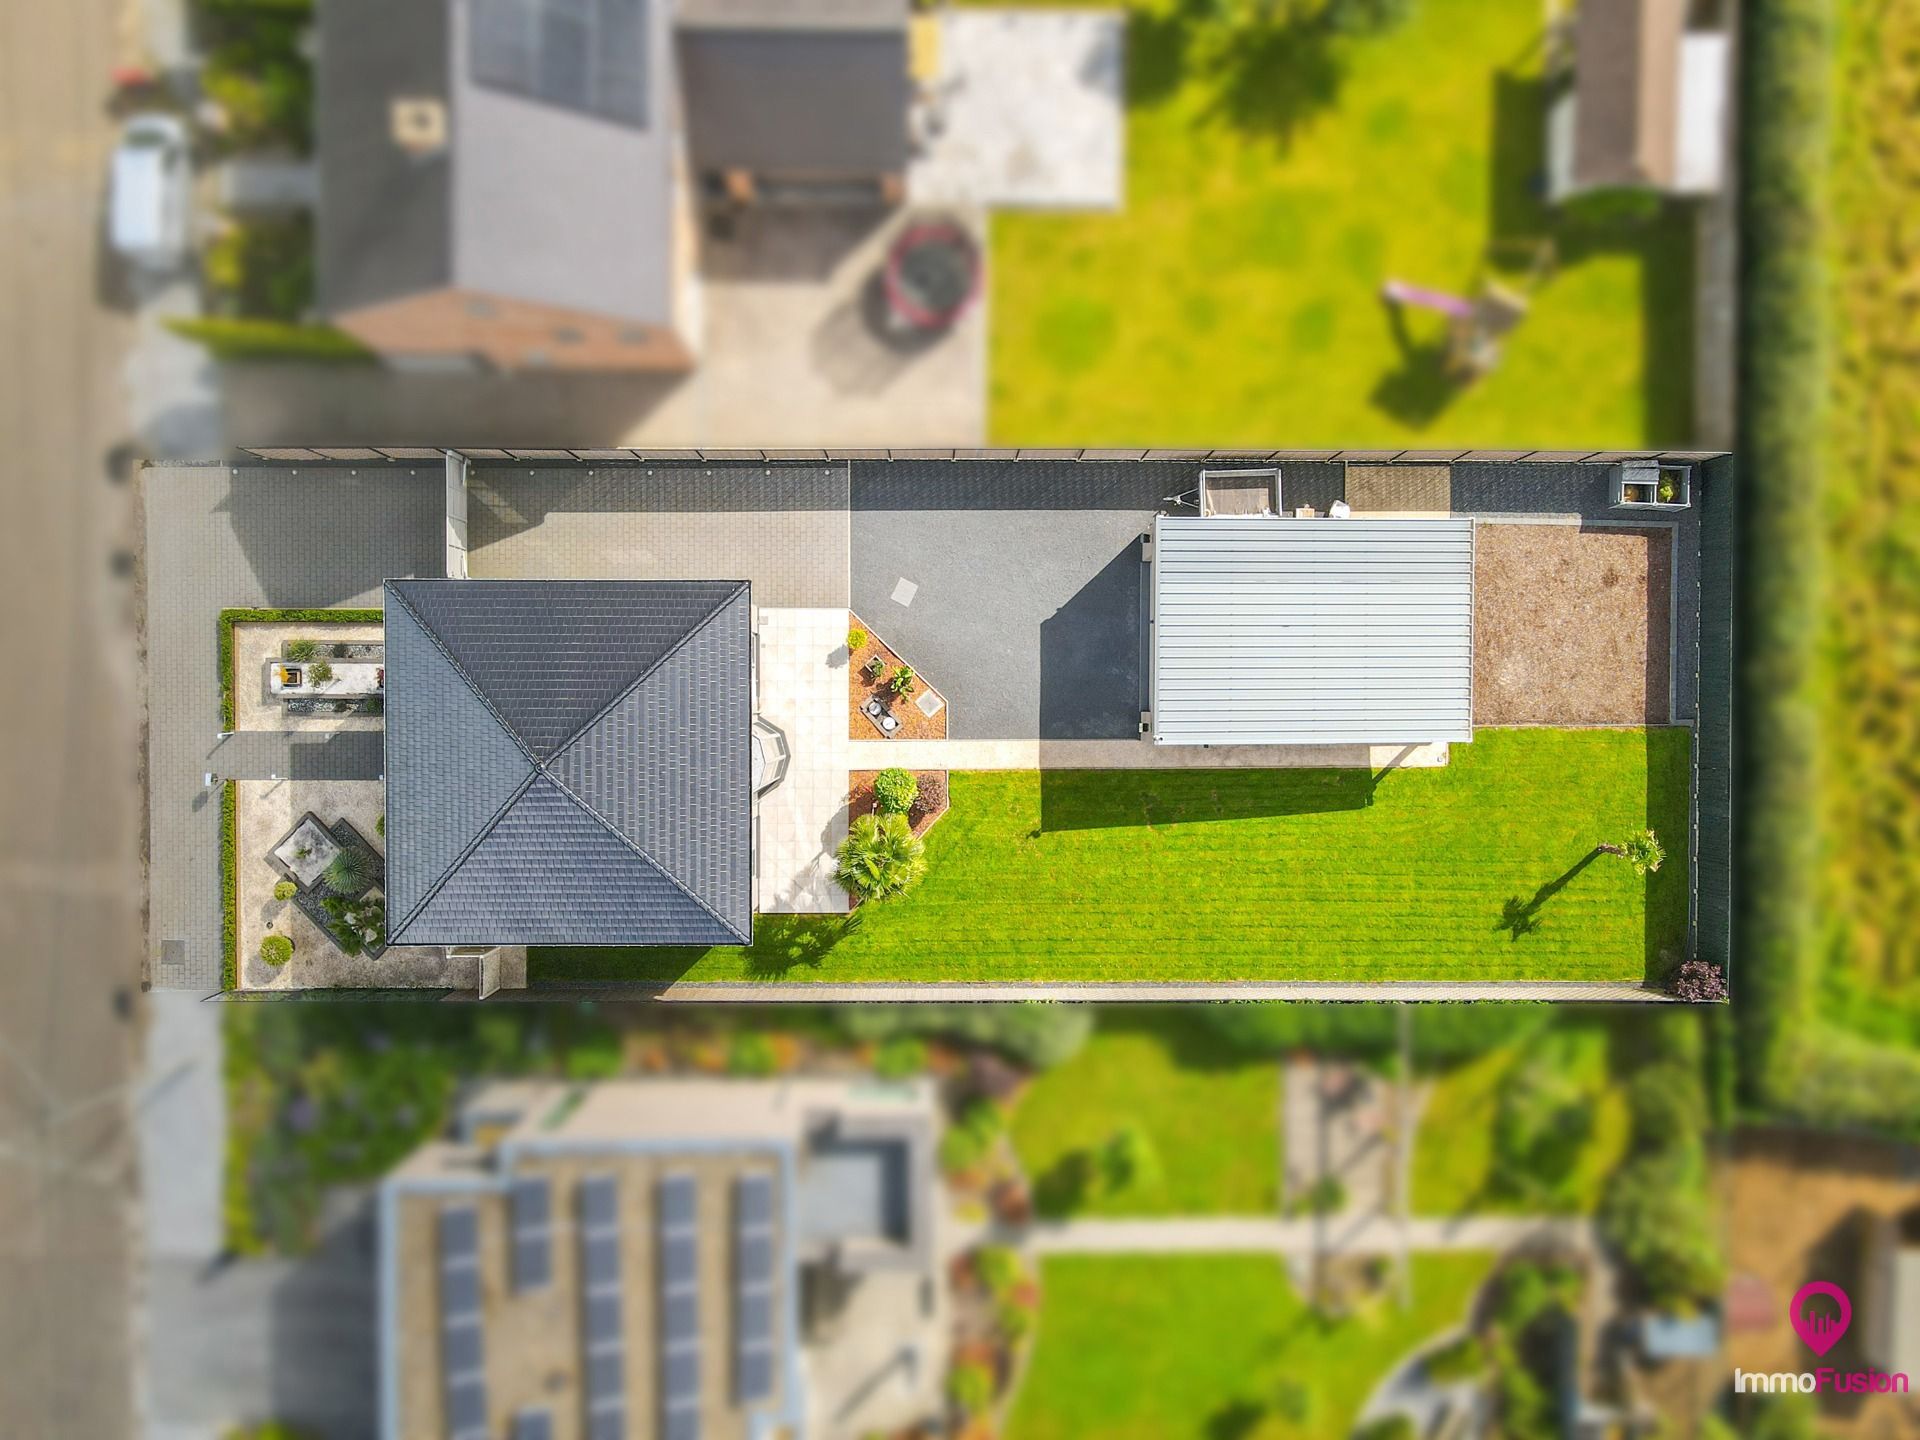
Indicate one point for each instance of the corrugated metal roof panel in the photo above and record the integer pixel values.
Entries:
(1270, 631)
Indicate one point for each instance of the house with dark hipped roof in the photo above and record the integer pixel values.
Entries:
(569, 762)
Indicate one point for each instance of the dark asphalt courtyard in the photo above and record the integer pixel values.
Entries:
(1029, 611)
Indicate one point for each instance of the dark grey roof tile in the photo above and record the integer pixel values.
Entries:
(450, 765)
(550, 873)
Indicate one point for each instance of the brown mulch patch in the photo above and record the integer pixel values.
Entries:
(928, 806)
(1571, 625)
(913, 724)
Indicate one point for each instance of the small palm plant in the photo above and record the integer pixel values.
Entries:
(880, 857)
(349, 872)
(1642, 850)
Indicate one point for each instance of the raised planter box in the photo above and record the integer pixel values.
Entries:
(1652, 487)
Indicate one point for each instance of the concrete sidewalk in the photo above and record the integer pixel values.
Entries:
(1140, 754)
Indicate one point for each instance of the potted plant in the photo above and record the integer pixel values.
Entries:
(1645, 485)
(875, 667)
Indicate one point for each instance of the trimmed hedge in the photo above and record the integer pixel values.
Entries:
(229, 887)
(1784, 391)
(231, 618)
(1442, 1033)
(232, 337)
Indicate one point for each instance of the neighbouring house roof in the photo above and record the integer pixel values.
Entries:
(382, 228)
(826, 98)
(553, 185)
(568, 762)
(1276, 631)
(1627, 91)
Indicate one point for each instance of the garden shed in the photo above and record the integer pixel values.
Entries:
(1277, 631)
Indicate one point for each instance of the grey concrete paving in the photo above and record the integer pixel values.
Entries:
(783, 528)
(182, 1127)
(1258, 1234)
(248, 1340)
(1029, 611)
(299, 755)
(282, 537)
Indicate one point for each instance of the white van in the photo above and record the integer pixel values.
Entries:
(150, 192)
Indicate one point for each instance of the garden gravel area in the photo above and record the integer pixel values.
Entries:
(1572, 625)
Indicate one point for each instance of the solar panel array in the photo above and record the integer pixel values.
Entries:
(753, 1288)
(601, 1292)
(586, 55)
(531, 1203)
(462, 1363)
(678, 1275)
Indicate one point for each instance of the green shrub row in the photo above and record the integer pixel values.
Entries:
(1442, 1033)
(235, 337)
(1783, 383)
(231, 618)
(1038, 1035)
(229, 887)
(1658, 1211)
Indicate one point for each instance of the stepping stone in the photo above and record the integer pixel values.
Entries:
(904, 592)
(929, 703)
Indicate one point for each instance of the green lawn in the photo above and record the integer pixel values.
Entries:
(1213, 1122)
(1453, 1154)
(1274, 181)
(1481, 870)
(1197, 1345)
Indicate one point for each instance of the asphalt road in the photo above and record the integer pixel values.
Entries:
(69, 854)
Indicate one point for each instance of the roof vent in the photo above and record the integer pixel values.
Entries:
(420, 126)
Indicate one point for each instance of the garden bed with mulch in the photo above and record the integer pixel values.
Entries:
(928, 806)
(863, 686)
(1572, 625)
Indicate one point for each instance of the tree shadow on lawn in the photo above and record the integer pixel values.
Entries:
(1265, 78)
(1116, 799)
(1520, 917)
(783, 943)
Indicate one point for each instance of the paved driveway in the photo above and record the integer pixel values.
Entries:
(1027, 611)
(782, 528)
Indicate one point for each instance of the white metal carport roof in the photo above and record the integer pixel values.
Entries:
(1277, 631)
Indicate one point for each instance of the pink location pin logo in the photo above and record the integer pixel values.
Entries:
(1820, 1330)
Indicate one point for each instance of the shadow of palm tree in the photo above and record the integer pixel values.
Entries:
(1522, 917)
(783, 942)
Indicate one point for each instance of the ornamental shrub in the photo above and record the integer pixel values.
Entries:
(285, 890)
(1700, 980)
(320, 672)
(894, 791)
(903, 682)
(302, 649)
(856, 640)
(276, 949)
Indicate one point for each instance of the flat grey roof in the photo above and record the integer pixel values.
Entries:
(796, 102)
(1276, 631)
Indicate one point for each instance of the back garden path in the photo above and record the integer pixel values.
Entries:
(1259, 1234)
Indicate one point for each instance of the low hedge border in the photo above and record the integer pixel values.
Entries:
(1784, 300)
(231, 618)
(229, 886)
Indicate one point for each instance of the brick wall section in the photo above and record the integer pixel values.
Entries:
(514, 334)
